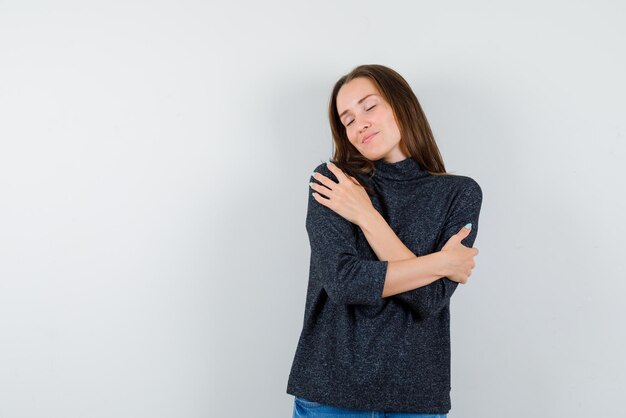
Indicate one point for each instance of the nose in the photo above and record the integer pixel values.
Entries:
(361, 123)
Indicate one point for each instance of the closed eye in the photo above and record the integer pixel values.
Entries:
(365, 110)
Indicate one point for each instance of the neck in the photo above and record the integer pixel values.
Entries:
(402, 169)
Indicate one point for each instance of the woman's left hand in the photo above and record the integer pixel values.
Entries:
(347, 198)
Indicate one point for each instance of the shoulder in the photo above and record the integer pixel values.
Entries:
(457, 182)
(459, 188)
(313, 204)
(468, 186)
(321, 168)
(325, 171)
(320, 217)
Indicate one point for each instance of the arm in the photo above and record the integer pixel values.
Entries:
(347, 278)
(402, 262)
(412, 273)
(427, 300)
(383, 239)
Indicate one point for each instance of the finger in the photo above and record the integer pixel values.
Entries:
(321, 189)
(355, 181)
(341, 176)
(324, 180)
(320, 199)
(460, 235)
(464, 231)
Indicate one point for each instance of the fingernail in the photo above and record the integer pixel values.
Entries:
(468, 226)
(310, 184)
(313, 174)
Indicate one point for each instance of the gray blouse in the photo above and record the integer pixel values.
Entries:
(357, 349)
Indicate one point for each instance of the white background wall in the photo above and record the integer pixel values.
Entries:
(154, 169)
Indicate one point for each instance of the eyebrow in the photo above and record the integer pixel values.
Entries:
(346, 111)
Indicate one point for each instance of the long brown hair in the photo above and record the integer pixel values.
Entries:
(416, 137)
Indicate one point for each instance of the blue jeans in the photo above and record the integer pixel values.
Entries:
(303, 408)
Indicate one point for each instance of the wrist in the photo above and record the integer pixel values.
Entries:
(368, 219)
(440, 261)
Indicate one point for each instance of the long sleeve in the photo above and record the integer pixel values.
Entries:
(357, 349)
(345, 276)
(428, 300)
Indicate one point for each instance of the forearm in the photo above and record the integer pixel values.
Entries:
(405, 271)
(405, 275)
(383, 239)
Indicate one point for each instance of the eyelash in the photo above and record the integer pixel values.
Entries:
(365, 110)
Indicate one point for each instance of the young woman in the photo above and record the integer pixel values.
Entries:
(386, 225)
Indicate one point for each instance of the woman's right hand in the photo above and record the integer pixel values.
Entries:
(458, 260)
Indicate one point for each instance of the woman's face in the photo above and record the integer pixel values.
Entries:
(364, 112)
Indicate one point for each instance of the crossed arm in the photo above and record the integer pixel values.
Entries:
(410, 279)
(405, 271)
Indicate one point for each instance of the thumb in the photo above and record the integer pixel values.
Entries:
(465, 230)
(459, 236)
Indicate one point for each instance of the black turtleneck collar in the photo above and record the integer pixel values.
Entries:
(406, 169)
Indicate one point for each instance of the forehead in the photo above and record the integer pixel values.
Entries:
(350, 93)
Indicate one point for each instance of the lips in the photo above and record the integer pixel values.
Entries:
(368, 137)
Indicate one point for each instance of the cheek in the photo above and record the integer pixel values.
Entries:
(389, 119)
(352, 135)
(391, 123)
